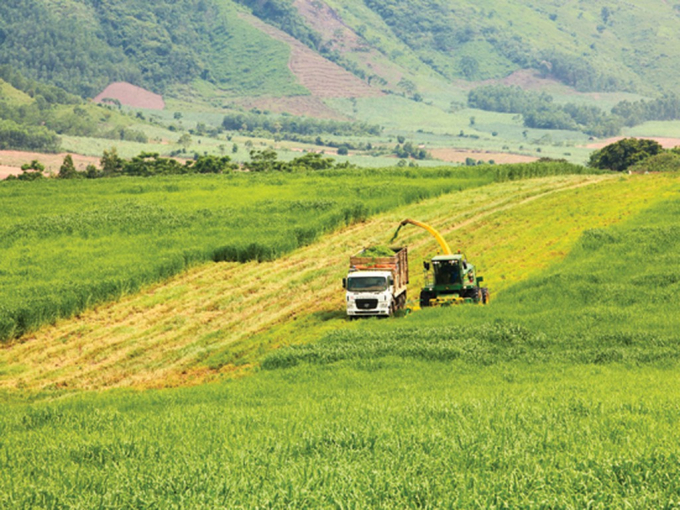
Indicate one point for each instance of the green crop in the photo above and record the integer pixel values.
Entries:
(562, 393)
(67, 246)
(377, 251)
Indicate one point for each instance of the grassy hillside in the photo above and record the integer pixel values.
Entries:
(561, 393)
(591, 46)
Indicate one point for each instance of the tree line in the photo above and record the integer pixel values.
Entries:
(539, 111)
(299, 125)
(148, 164)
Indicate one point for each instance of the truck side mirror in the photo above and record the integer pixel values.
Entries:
(426, 265)
(344, 283)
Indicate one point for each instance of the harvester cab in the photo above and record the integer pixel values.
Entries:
(449, 278)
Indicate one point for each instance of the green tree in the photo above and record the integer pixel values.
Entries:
(112, 164)
(184, 140)
(91, 172)
(68, 169)
(212, 165)
(263, 161)
(32, 171)
(624, 153)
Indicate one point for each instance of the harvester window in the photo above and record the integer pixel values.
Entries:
(367, 283)
(447, 272)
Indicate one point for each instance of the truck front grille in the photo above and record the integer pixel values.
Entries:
(367, 304)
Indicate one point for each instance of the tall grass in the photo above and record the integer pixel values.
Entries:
(376, 433)
(67, 246)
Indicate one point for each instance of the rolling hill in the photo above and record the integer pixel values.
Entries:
(561, 393)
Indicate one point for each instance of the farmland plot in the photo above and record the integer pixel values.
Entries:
(220, 319)
(556, 395)
(67, 246)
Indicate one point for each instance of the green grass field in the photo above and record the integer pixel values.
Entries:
(562, 393)
(67, 246)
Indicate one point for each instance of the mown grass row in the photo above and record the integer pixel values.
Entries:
(614, 298)
(66, 246)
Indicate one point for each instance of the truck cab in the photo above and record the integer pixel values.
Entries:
(376, 285)
(370, 293)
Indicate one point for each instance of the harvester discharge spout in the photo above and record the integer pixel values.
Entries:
(442, 242)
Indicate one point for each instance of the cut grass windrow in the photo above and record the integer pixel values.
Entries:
(219, 318)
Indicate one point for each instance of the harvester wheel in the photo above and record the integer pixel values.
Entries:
(425, 297)
(474, 294)
(485, 295)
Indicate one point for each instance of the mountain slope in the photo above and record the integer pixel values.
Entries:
(588, 45)
(83, 45)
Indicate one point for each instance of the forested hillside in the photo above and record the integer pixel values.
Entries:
(589, 45)
(83, 45)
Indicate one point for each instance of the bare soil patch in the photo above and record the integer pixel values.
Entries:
(131, 95)
(666, 143)
(460, 155)
(308, 106)
(6, 171)
(11, 161)
(320, 76)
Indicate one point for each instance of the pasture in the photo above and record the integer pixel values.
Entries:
(562, 393)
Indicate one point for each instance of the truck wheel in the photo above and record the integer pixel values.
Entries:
(425, 299)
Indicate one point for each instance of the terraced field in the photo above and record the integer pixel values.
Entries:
(220, 318)
(320, 76)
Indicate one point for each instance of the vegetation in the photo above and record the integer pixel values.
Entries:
(82, 46)
(70, 244)
(250, 122)
(620, 155)
(560, 393)
(377, 251)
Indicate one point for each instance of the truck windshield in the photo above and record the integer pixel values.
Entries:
(367, 283)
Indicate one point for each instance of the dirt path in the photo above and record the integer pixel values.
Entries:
(168, 334)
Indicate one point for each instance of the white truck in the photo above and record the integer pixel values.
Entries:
(376, 286)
